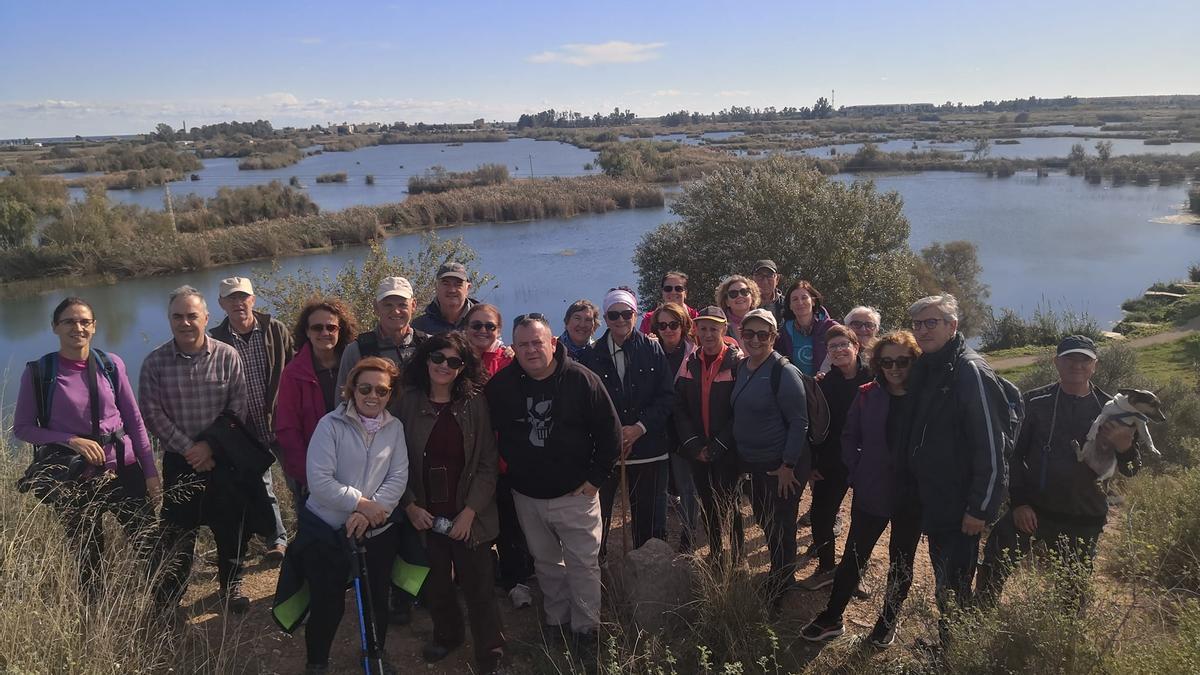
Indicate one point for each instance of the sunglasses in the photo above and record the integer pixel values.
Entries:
(674, 289)
(623, 315)
(481, 325)
(366, 389)
(901, 362)
(734, 293)
(667, 325)
(760, 335)
(438, 358)
(927, 324)
(860, 325)
(532, 316)
(323, 328)
(82, 323)
(838, 346)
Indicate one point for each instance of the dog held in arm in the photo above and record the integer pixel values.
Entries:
(1131, 407)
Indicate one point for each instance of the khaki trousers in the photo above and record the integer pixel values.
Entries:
(564, 538)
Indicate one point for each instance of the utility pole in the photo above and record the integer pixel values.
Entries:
(833, 98)
(531, 166)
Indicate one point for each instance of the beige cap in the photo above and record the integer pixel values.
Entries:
(394, 286)
(236, 285)
(762, 315)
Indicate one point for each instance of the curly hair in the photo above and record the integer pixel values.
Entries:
(818, 299)
(680, 314)
(378, 363)
(469, 380)
(723, 288)
(902, 338)
(347, 325)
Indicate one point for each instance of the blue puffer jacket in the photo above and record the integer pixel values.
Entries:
(647, 393)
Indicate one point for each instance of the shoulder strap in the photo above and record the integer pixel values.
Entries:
(368, 344)
(93, 396)
(777, 374)
(39, 392)
(48, 374)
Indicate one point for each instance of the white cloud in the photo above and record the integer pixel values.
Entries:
(615, 51)
(668, 92)
(311, 40)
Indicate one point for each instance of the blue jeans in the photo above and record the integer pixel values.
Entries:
(281, 537)
(954, 556)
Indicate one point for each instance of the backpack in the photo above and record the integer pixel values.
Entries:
(1015, 414)
(818, 407)
(45, 370)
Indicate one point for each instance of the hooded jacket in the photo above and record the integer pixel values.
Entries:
(477, 483)
(300, 407)
(644, 395)
(583, 436)
(956, 442)
(687, 414)
(821, 323)
(433, 322)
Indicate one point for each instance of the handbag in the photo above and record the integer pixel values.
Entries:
(57, 466)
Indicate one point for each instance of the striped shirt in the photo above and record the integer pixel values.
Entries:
(252, 347)
(181, 394)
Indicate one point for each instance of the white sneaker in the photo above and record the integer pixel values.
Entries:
(520, 596)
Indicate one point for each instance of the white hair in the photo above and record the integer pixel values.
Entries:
(945, 303)
(863, 309)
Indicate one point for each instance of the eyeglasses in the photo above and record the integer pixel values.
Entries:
(927, 324)
(838, 346)
(667, 325)
(734, 293)
(622, 315)
(760, 335)
(481, 325)
(863, 325)
(366, 389)
(323, 328)
(82, 323)
(674, 289)
(438, 358)
(901, 362)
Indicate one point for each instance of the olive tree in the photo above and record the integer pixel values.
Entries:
(954, 268)
(849, 240)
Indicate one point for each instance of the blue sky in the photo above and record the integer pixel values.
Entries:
(120, 67)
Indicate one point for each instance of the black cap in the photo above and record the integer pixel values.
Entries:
(452, 269)
(1077, 344)
(711, 313)
(769, 264)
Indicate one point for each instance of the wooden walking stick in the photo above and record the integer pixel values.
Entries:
(626, 534)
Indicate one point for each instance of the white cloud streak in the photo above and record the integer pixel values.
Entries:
(592, 54)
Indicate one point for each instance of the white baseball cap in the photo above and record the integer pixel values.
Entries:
(394, 286)
(235, 285)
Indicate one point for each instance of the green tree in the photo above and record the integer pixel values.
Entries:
(164, 132)
(822, 109)
(1078, 153)
(16, 223)
(954, 268)
(356, 284)
(1104, 150)
(850, 241)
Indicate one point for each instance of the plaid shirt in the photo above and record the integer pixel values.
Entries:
(253, 349)
(181, 394)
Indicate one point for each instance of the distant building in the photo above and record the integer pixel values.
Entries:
(888, 109)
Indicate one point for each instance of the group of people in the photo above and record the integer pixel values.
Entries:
(498, 462)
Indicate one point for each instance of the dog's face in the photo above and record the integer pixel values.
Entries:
(1145, 402)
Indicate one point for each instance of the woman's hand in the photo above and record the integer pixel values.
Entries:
(419, 517)
(88, 449)
(356, 526)
(462, 525)
(375, 514)
(154, 490)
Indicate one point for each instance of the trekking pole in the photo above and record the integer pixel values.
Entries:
(372, 655)
(627, 526)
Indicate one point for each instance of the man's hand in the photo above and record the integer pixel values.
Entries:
(419, 517)
(375, 514)
(585, 490)
(786, 478)
(462, 525)
(703, 456)
(1025, 519)
(88, 449)
(199, 457)
(972, 525)
(629, 436)
(1115, 435)
(356, 525)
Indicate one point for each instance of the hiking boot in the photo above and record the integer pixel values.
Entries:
(520, 596)
(316, 669)
(860, 592)
(235, 599)
(275, 553)
(818, 632)
(819, 579)
(883, 634)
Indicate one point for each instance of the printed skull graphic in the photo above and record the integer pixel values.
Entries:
(540, 421)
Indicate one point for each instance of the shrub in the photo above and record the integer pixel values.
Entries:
(440, 180)
(1194, 200)
(1046, 327)
(1194, 272)
(1162, 531)
(340, 177)
(239, 206)
(16, 223)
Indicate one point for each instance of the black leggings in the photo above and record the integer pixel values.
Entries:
(82, 508)
(865, 530)
(327, 578)
(827, 496)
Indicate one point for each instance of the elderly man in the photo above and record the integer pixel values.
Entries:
(560, 434)
(1055, 498)
(394, 337)
(449, 308)
(265, 346)
(956, 445)
(767, 277)
(184, 385)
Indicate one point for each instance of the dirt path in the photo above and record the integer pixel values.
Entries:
(1157, 339)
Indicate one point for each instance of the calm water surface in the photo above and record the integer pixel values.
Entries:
(1057, 239)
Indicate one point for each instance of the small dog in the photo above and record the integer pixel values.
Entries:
(1131, 407)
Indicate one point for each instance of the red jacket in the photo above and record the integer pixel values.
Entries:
(300, 406)
(496, 359)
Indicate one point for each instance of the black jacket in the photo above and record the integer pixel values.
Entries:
(839, 395)
(433, 322)
(584, 437)
(689, 425)
(235, 488)
(646, 393)
(1045, 473)
(956, 442)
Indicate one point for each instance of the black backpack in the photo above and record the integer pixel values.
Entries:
(814, 398)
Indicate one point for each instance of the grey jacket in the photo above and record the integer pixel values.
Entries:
(341, 468)
(770, 429)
